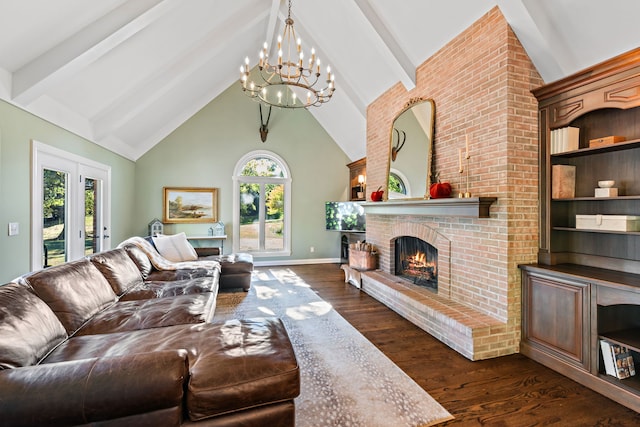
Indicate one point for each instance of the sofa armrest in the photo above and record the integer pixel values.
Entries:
(91, 390)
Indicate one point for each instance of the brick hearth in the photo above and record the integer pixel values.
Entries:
(462, 328)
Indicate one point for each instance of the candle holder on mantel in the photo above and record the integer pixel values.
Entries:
(465, 170)
(467, 194)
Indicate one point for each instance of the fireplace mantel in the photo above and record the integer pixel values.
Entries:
(474, 207)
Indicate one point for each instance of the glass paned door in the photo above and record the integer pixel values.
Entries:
(261, 224)
(274, 214)
(250, 224)
(91, 220)
(70, 207)
(54, 214)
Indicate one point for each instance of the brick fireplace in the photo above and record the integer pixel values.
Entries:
(461, 326)
(480, 83)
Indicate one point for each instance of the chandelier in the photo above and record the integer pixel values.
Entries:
(287, 83)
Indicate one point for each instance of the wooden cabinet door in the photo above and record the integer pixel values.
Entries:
(556, 317)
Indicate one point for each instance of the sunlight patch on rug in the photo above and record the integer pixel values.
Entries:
(345, 380)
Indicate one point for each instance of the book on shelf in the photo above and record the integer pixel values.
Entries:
(565, 139)
(618, 361)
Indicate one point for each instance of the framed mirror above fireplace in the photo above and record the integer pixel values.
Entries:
(410, 151)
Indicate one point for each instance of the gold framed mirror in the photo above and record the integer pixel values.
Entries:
(410, 151)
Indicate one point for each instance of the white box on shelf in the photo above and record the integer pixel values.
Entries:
(608, 222)
(606, 192)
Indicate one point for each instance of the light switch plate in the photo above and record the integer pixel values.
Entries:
(14, 229)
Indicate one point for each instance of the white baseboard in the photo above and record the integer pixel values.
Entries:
(296, 262)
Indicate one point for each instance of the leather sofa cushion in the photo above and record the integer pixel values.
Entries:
(148, 290)
(254, 365)
(154, 313)
(118, 268)
(75, 291)
(141, 259)
(236, 270)
(28, 328)
(235, 263)
(234, 365)
(136, 390)
(182, 274)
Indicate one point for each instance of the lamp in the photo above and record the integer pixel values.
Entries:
(360, 187)
(288, 83)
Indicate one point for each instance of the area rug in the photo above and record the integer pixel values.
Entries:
(345, 380)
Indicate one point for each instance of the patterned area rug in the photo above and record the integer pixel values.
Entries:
(345, 380)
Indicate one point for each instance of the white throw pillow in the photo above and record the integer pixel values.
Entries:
(175, 247)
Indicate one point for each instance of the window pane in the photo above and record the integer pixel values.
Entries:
(396, 184)
(261, 166)
(91, 235)
(54, 209)
(274, 214)
(249, 217)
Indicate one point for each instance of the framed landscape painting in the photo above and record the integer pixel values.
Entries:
(190, 205)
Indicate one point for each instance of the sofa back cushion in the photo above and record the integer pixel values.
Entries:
(29, 330)
(75, 291)
(119, 270)
(140, 258)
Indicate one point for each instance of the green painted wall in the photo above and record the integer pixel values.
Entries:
(203, 152)
(17, 129)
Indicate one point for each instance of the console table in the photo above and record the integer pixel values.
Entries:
(207, 239)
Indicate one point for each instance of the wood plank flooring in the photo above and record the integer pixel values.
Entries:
(506, 391)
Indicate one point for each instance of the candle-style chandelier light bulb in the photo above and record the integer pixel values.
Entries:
(294, 85)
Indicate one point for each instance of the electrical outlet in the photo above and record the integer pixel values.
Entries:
(14, 229)
(312, 249)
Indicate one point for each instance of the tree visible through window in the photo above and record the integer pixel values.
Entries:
(262, 216)
(396, 184)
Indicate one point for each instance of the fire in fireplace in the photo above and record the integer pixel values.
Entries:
(416, 261)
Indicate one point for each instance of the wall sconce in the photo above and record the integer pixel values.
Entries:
(360, 189)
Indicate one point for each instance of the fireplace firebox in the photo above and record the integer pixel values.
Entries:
(416, 261)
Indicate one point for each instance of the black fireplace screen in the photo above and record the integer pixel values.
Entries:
(417, 261)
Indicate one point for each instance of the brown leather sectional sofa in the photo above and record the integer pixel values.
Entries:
(102, 342)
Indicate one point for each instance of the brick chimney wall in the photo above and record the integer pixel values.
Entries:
(481, 83)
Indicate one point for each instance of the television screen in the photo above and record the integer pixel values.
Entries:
(345, 216)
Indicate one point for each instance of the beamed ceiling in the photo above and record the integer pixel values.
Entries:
(124, 74)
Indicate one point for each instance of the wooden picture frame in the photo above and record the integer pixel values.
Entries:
(187, 205)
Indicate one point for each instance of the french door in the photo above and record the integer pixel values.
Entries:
(70, 207)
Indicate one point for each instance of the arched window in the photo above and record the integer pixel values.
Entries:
(398, 184)
(262, 205)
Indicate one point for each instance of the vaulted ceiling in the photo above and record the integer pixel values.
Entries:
(124, 74)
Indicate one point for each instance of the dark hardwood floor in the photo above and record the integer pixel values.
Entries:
(506, 391)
